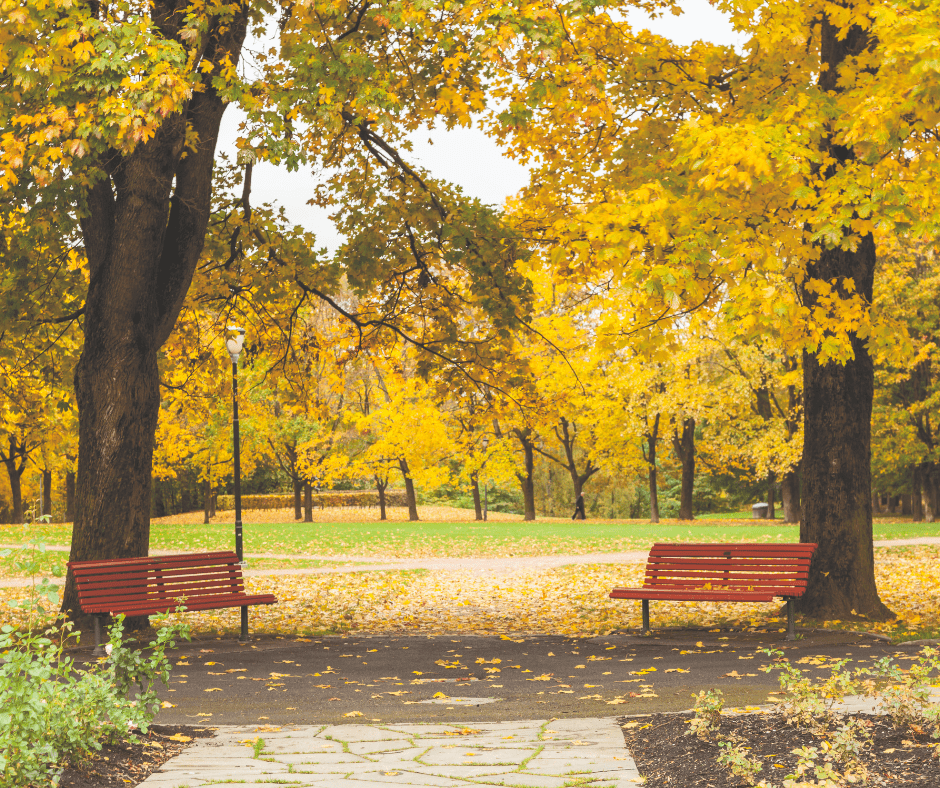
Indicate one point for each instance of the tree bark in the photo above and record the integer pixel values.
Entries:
(931, 481)
(69, 496)
(684, 445)
(917, 494)
(837, 410)
(308, 502)
(409, 490)
(381, 487)
(790, 494)
(649, 454)
(143, 225)
(46, 492)
(771, 496)
(15, 460)
(477, 504)
(527, 479)
(206, 500)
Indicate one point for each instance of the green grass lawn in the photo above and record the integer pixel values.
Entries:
(422, 539)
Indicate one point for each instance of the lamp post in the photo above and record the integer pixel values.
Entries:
(234, 346)
(486, 481)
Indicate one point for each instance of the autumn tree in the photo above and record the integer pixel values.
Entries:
(677, 171)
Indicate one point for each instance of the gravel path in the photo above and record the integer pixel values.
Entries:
(484, 567)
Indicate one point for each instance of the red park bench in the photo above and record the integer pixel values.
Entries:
(159, 584)
(723, 573)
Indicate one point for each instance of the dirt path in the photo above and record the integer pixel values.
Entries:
(482, 567)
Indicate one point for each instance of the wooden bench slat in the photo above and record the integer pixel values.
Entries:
(205, 603)
(188, 559)
(748, 548)
(690, 595)
(134, 583)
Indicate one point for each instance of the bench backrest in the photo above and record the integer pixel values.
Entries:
(780, 569)
(160, 580)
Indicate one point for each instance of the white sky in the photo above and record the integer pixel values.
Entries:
(465, 157)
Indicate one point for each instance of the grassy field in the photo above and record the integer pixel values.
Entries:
(423, 539)
(570, 599)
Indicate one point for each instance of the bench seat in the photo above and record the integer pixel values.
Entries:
(159, 584)
(740, 572)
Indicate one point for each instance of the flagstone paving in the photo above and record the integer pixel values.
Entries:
(519, 754)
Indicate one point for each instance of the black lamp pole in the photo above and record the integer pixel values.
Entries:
(234, 347)
(486, 481)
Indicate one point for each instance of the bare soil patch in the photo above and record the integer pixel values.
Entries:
(668, 757)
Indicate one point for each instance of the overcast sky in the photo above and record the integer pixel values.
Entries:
(463, 156)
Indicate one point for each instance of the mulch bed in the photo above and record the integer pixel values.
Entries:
(668, 757)
(125, 764)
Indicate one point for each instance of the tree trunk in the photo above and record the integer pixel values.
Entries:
(381, 486)
(47, 492)
(790, 494)
(477, 505)
(206, 501)
(892, 504)
(143, 225)
(771, 496)
(298, 488)
(69, 496)
(837, 410)
(527, 479)
(875, 502)
(15, 459)
(917, 494)
(409, 490)
(684, 445)
(652, 437)
(308, 502)
(931, 481)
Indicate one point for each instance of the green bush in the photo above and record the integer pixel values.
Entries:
(54, 711)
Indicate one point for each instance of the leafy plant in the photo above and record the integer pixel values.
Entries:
(734, 756)
(707, 719)
(53, 710)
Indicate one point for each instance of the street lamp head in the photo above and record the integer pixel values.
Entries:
(234, 344)
(486, 442)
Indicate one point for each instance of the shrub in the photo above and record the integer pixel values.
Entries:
(54, 711)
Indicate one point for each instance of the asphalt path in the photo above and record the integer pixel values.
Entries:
(465, 679)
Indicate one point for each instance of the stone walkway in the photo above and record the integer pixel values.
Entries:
(521, 754)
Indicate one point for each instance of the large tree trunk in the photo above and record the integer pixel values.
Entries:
(527, 478)
(477, 504)
(409, 490)
(790, 494)
(684, 445)
(143, 227)
(837, 412)
(652, 437)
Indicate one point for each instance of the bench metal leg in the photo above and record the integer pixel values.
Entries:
(99, 649)
(791, 626)
(646, 616)
(244, 635)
